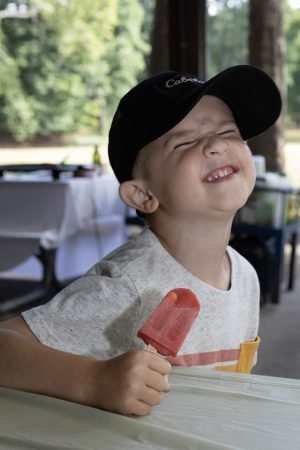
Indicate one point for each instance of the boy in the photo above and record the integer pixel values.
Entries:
(177, 146)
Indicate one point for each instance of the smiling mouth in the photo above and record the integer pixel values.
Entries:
(220, 173)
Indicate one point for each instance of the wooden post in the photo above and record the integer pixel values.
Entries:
(266, 50)
(187, 36)
(179, 37)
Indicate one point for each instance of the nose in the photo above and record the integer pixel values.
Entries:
(214, 145)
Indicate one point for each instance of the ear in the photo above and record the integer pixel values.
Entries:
(135, 194)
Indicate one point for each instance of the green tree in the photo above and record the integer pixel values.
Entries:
(292, 33)
(126, 51)
(227, 34)
(16, 111)
(66, 67)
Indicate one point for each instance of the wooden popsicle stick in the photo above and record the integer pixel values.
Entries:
(150, 348)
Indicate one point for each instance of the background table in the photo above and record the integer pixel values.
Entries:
(69, 224)
(55, 170)
(53, 210)
(204, 410)
(260, 232)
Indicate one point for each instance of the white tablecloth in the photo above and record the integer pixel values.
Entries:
(204, 410)
(36, 212)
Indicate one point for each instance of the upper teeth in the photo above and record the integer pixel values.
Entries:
(220, 174)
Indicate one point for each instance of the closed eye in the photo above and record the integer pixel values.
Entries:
(230, 131)
(184, 144)
(226, 132)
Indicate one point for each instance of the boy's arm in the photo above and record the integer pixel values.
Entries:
(129, 384)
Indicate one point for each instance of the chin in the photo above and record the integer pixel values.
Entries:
(227, 212)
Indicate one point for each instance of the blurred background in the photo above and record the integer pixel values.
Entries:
(66, 63)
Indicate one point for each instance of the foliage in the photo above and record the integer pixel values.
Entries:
(65, 69)
(125, 51)
(292, 33)
(227, 34)
(228, 44)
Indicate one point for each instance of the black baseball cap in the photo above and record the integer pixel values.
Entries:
(157, 104)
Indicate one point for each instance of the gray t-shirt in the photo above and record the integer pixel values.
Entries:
(99, 315)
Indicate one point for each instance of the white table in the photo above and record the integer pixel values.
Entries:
(204, 410)
(52, 210)
(77, 219)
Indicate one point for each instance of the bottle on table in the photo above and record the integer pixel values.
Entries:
(97, 160)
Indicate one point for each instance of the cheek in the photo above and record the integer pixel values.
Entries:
(172, 189)
(188, 165)
(252, 173)
(249, 167)
(174, 179)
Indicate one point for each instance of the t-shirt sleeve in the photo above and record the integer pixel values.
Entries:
(93, 316)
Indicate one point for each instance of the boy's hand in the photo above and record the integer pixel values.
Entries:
(131, 383)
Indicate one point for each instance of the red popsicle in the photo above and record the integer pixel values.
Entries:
(170, 323)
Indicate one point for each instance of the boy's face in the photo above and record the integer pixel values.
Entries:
(202, 166)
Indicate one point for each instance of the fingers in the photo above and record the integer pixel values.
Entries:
(132, 383)
(159, 364)
(149, 398)
(140, 408)
(140, 400)
(157, 381)
(163, 367)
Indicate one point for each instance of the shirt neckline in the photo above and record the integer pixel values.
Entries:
(185, 272)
